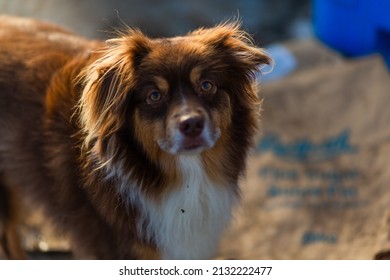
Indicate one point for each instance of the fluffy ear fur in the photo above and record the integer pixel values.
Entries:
(107, 83)
(237, 50)
(229, 37)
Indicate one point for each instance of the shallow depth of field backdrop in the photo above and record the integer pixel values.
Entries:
(318, 182)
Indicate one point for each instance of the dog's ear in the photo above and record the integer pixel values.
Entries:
(107, 83)
(230, 39)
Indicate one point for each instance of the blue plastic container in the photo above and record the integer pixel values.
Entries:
(354, 27)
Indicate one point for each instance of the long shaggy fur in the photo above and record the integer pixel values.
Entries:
(100, 135)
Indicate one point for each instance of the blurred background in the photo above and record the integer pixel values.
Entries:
(318, 183)
(267, 20)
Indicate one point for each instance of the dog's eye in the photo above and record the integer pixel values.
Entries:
(154, 96)
(207, 86)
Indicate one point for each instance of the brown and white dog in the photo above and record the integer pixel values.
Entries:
(134, 148)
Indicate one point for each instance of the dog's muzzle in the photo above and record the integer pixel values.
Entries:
(189, 131)
(192, 125)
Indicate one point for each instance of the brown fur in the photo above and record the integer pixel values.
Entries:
(10, 244)
(72, 112)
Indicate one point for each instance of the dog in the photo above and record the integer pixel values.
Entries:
(133, 147)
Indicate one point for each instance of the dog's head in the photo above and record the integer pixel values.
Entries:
(177, 96)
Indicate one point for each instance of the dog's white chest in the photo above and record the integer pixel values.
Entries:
(187, 224)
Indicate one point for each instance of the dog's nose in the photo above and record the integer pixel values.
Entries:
(191, 125)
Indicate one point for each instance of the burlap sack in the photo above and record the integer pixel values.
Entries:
(318, 185)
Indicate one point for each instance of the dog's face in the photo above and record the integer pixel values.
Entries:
(182, 102)
(181, 114)
(174, 95)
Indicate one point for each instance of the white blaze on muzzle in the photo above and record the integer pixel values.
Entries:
(189, 130)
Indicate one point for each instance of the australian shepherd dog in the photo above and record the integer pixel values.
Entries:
(134, 146)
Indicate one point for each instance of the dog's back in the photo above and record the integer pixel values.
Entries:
(30, 54)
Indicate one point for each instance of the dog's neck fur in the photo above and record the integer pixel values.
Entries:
(188, 221)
